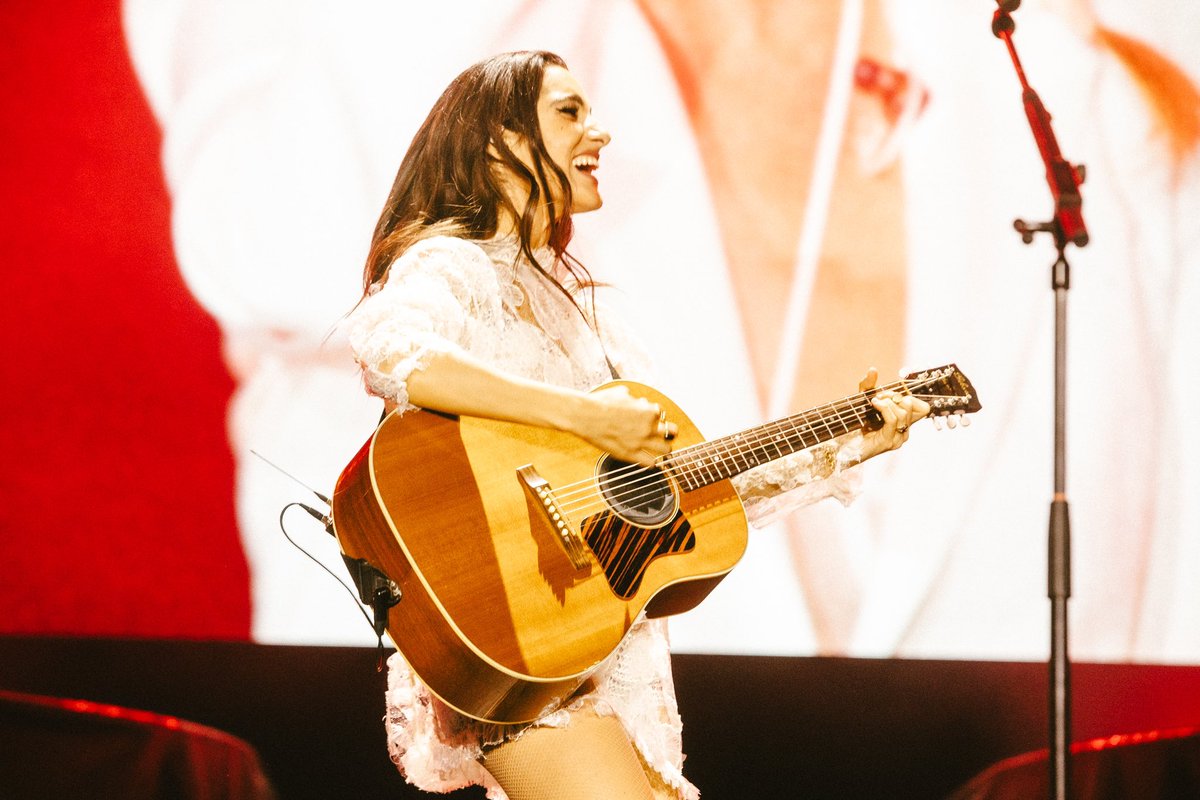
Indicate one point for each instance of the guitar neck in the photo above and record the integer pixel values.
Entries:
(723, 458)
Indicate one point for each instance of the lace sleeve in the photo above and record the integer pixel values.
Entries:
(772, 490)
(435, 295)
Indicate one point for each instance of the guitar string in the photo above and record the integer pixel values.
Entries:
(628, 552)
(692, 459)
(697, 460)
(749, 441)
(646, 486)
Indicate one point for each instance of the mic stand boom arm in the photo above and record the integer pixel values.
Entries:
(1062, 177)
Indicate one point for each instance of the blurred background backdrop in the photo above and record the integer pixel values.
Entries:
(795, 191)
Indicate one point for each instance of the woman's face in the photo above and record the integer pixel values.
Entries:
(572, 137)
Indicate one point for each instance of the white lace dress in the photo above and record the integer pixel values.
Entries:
(480, 297)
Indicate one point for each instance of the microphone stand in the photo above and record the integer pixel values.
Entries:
(1067, 227)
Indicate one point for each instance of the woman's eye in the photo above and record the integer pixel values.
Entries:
(570, 111)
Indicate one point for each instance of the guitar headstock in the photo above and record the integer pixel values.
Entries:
(948, 391)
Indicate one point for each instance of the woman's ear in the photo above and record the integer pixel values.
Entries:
(501, 167)
(516, 143)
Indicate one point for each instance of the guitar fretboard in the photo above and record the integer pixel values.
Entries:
(721, 459)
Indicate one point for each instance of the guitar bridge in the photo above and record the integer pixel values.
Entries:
(539, 489)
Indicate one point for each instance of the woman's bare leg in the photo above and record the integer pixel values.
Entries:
(589, 759)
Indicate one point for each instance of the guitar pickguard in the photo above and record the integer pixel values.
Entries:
(625, 550)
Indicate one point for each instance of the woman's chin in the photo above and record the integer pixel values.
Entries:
(582, 205)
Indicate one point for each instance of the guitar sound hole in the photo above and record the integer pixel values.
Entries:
(641, 495)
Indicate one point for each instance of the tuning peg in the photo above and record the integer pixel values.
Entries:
(964, 419)
(937, 423)
(952, 422)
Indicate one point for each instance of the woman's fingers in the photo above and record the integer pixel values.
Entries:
(666, 429)
(897, 415)
(631, 428)
(869, 380)
(898, 412)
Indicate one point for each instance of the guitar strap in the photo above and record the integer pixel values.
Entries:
(616, 376)
(594, 325)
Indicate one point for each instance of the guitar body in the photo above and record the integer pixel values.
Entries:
(499, 617)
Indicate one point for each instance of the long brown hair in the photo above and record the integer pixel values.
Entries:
(448, 182)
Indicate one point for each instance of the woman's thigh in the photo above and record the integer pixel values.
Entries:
(589, 759)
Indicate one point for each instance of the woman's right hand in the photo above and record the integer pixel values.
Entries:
(630, 428)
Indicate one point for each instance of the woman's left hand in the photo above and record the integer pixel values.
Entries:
(899, 412)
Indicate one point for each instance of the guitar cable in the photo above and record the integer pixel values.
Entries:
(382, 597)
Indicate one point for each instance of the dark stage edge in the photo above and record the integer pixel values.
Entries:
(753, 726)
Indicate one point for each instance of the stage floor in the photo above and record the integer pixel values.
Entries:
(753, 726)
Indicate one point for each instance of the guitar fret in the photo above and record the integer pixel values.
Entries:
(712, 468)
(679, 467)
(749, 454)
(725, 459)
(725, 452)
(800, 434)
(737, 452)
(694, 470)
(824, 421)
(859, 418)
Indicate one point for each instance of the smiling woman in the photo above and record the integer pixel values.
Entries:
(473, 307)
(572, 137)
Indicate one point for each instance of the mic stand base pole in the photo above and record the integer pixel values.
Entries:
(1059, 553)
(1060, 664)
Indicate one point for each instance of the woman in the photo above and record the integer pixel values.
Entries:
(474, 307)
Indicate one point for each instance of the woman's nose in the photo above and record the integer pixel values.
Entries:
(598, 133)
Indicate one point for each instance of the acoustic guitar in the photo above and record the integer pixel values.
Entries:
(523, 555)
